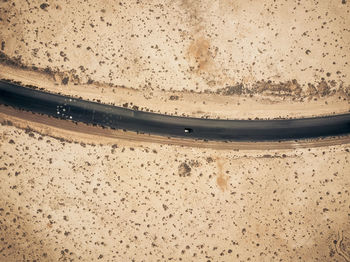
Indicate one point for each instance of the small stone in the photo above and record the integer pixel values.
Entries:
(44, 6)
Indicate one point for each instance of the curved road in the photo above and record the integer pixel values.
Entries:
(208, 129)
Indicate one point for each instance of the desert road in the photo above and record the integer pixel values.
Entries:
(92, 113)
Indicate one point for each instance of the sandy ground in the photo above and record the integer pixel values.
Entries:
(68, 201)
(183, 45)
(77, 193)
(222, 58)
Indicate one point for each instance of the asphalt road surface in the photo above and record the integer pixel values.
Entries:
(79, 110)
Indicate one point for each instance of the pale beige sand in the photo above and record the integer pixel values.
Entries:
(242, 59)
(176, 45)
(126, 198)
(63, 201)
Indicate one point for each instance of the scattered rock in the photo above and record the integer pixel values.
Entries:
(65, 81)
(323, 88)
(44, 6)
(174, 97)
(184, 170)
(311, 90)
(233, 90)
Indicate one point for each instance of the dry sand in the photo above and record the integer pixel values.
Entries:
(63, 201)
(78, 193)
(183, 45)
(223, 58)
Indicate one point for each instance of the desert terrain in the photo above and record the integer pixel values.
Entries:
(81, 193)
